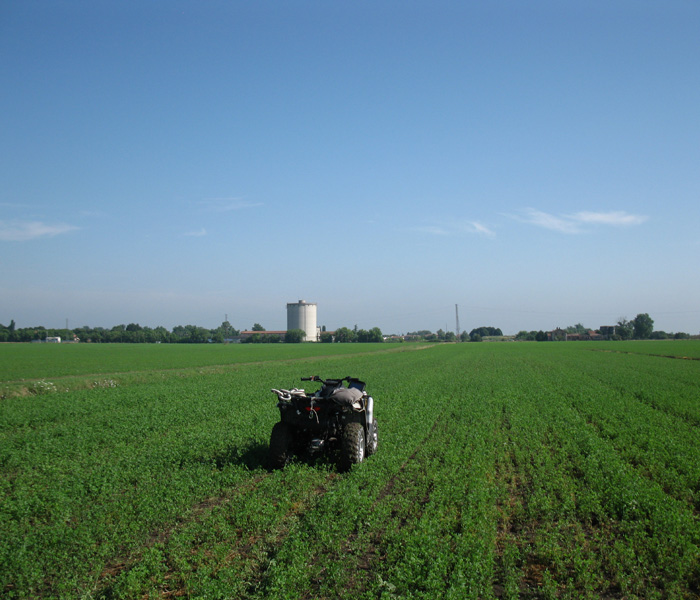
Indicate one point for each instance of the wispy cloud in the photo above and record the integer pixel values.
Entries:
(456, 228)
(199, 233)
(578, 222)
(616, 218)
(220, 205)
(22, 231)
(475, 227)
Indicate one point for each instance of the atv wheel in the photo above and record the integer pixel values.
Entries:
(352, 449)
(281, 440)
(373, 439)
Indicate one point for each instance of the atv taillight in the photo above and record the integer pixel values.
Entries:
(310, 408)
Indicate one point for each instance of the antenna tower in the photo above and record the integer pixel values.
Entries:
(457, 318)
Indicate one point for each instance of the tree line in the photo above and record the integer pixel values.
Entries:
(133, 333)
(639, 328)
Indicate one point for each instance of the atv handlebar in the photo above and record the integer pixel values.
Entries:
(318, 378)
(352, 381)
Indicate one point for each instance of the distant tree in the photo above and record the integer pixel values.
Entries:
(578, 328)
(487, 331)
(526, 336)
(541, 336)
(642, 326)
(161, 334)
(362, 336)
(375, 335)
(680, 335)
(225, 330)
(658, 335)
(624, 329)
(344, 335)
(257, 327)
(440, 335)
(294, 336)
(475, 337)
(326, 337)
(464, 337)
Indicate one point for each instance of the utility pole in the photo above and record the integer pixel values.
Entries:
(457, 317)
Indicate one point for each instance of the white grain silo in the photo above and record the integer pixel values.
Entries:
(302, 315)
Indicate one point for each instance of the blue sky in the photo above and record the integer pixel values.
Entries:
(171, 163)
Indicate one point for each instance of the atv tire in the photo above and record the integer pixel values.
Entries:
(372, 439)
(281, 440)
(352, 447)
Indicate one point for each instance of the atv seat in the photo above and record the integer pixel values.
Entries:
(347, 397)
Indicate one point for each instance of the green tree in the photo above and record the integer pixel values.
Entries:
(624, 328)
(642, 325)
(375, 335)
(344, 335)
(487, 331)
(294, 336)
(326, 337)
(257, 327)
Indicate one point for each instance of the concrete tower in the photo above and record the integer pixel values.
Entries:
(302, 315)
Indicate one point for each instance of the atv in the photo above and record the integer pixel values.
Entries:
(335, 418)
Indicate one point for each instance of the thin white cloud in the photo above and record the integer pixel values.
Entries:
(476, 227)
(617, 218)
(576, 223)
(542, 219)
(459, 227)
(227, 204)
(199, 233)
(22, 231)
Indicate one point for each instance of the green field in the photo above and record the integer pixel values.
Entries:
(504, 470)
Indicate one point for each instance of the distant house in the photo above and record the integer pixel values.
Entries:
(607, 331)
(557, 335)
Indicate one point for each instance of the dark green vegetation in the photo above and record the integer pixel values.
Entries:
(503, 471)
